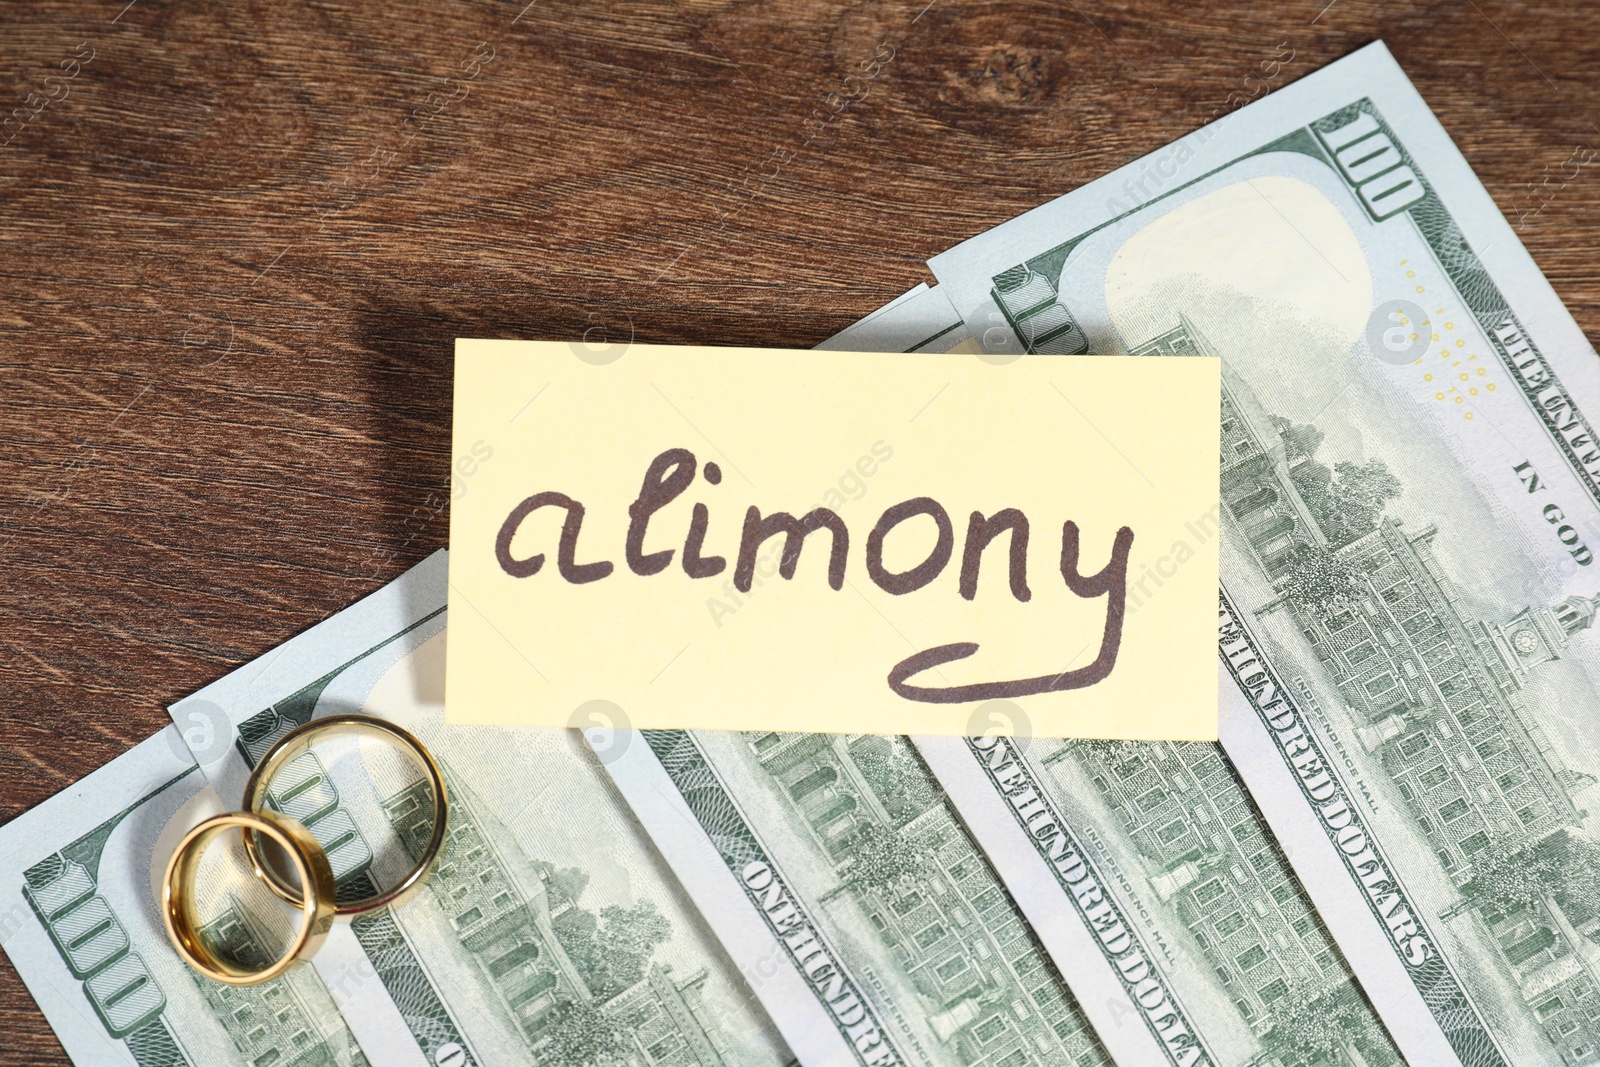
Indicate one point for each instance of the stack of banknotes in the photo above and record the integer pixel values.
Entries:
(1390, 857)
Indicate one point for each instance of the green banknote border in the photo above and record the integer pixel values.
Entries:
(929, 340)
(1446, 999)
(1540, 387)
(149, 1040)
(1099, 929)
(736, 842)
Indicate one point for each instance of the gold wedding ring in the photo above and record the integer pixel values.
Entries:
(178, 894)
(300, 740)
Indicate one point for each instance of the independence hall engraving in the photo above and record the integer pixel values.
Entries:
(1437, 694)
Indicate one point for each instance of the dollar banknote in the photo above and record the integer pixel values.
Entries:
(549, 932)
(837, 874)
(80, 878)
(1165, 972)
(1157, 888)
(1410, 486)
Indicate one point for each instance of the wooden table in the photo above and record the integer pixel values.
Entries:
(237, 244)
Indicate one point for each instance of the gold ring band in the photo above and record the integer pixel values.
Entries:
(300, 740)
(316, 904)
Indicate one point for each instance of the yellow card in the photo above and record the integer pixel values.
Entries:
(758, 539)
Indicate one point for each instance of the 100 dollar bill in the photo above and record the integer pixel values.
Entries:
(1160, 893)
(80, 878)
(548, 932)
(1409, 499)
(835, 871)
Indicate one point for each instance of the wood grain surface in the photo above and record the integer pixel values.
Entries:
(236, 246)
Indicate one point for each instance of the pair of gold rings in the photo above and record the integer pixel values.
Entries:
(315, 893)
